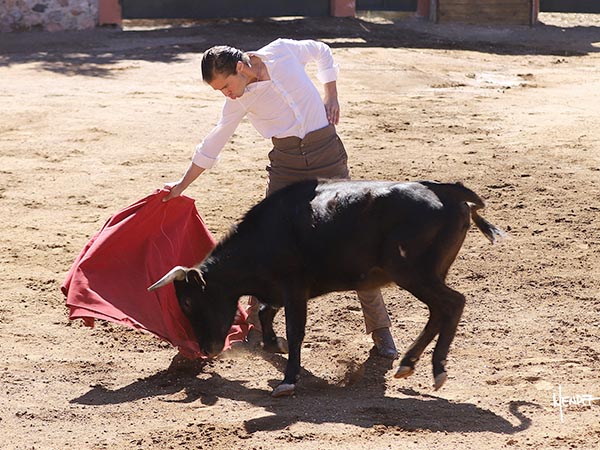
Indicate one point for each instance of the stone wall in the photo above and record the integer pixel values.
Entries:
(48, 15)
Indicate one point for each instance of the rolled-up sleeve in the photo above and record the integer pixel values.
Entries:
(328, 75)
(208, 151)
(202, 159)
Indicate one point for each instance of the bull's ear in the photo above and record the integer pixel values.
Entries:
(195, 278)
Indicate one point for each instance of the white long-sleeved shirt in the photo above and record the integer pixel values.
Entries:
(288, 104)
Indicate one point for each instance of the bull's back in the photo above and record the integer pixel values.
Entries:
(318, 221)
(328, 213)
(342, 231)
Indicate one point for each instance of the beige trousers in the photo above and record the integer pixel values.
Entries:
(321, 154)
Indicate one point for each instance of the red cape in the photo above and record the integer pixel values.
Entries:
(135, 248)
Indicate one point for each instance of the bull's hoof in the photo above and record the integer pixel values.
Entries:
(280, 345)
(284, 390)
(404, 372)
(439, 380)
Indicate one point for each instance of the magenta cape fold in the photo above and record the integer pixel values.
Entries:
(135, 248)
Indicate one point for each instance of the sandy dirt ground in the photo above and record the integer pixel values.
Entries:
(90, 122)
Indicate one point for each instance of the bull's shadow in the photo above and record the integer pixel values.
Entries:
(320, 402)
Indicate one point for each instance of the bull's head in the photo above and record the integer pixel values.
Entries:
(209, 314)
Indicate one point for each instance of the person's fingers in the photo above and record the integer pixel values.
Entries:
(173, 192)
(333, 115)
(336, 116)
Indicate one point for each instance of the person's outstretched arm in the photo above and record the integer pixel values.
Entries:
(178, 187)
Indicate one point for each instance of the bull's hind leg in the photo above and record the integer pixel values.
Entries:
(450, 302)
(445, 310)
(414, 352)
(452, 305)
(445, 304)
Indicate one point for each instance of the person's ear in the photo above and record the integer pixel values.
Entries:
(239, 67)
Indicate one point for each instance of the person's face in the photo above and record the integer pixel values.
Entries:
(231, 86)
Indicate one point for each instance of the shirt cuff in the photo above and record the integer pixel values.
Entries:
(203, 160)
(328, 75)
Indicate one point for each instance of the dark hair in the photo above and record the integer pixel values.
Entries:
(221, 60)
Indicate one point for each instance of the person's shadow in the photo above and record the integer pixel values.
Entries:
(319, 401)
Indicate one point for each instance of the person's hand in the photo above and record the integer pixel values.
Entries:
(332, 109)
(175, 190)
(330, 100)
(178, 187)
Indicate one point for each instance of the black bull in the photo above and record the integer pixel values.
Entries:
(316, 237)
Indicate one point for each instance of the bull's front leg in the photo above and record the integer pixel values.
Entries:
(295, 324)
(271, 342)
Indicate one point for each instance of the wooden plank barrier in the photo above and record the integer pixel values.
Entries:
(484, 12)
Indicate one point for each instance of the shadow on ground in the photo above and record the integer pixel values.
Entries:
(360, 400)
(92, 53)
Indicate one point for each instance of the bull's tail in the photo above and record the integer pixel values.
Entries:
(491, 231)
(457, 192)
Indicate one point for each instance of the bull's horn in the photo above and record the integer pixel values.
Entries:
(176, 273)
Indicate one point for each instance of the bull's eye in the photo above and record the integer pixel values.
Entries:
(186, 305)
